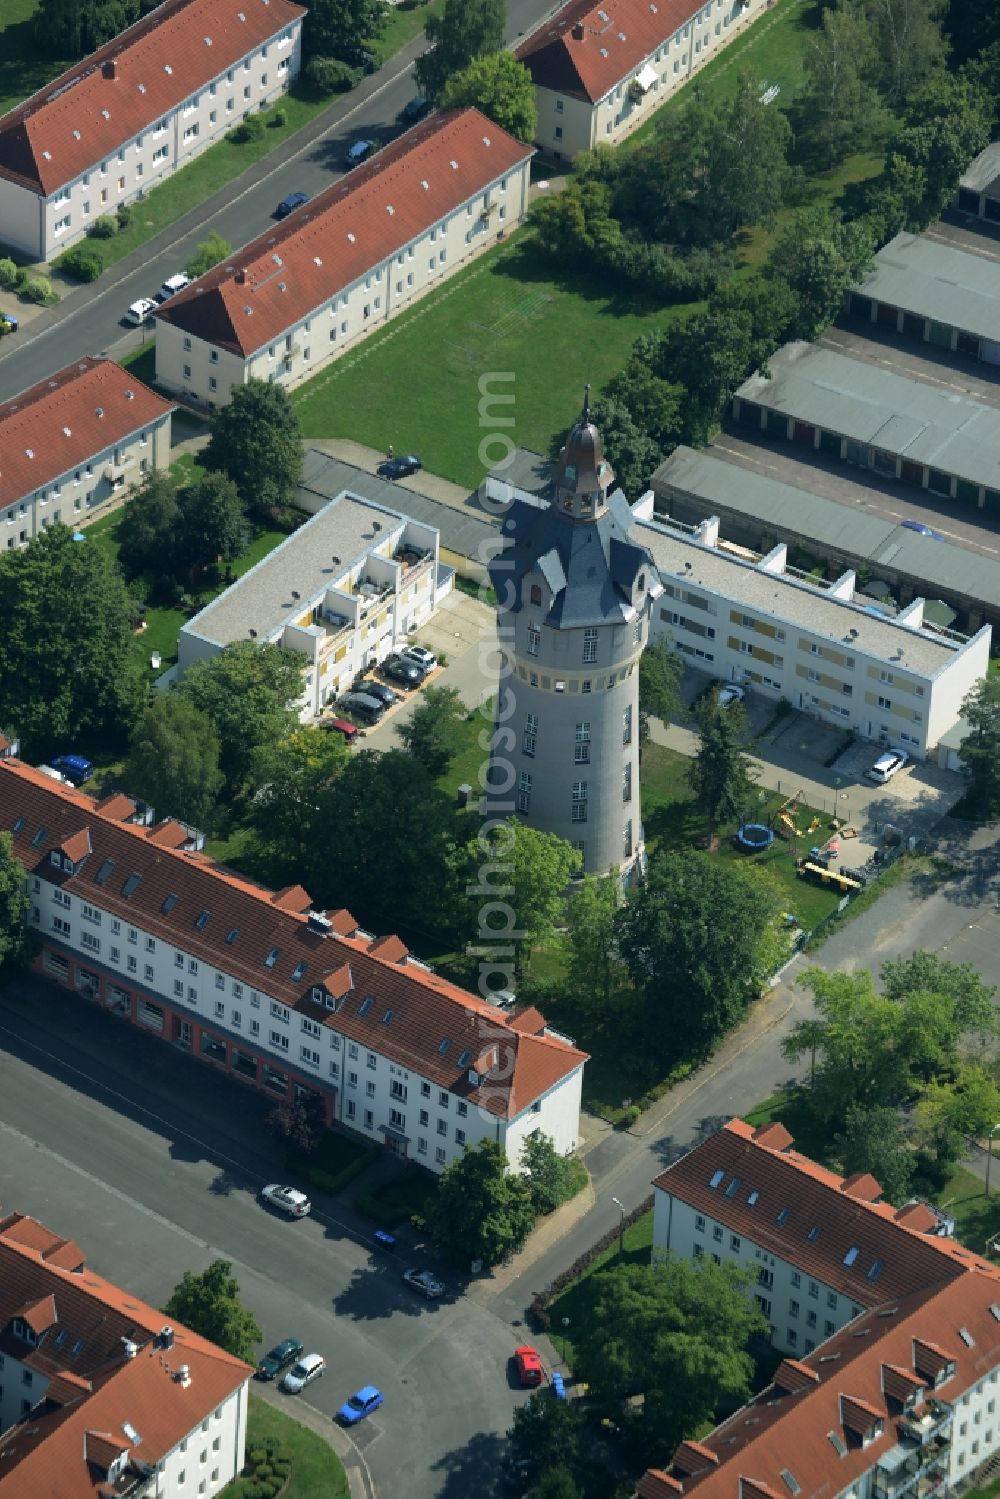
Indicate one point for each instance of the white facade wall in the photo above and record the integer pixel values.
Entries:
(212, 1452)
(80, 495)
(198, 370)
(251, 84)
(373, 1093)
(975, 1432)
(567, 125)
(22, 219)
(803, 1312)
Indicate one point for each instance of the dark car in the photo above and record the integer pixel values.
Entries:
(359, 58)
(399, 468)
(379, 691)
(76, 768)
(359, 705)
(398, 669)
(290, 204)
(921, 529)
(359, 152)
(415, 110)
(279, 1358)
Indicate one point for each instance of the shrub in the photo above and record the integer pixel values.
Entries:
(328, 75)
(10, 275)
(124, 213)
(250, 129)
(83, 263)
(103, 228)
(279, 118)
(39, 289)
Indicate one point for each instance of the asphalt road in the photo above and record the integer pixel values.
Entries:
(88, 320)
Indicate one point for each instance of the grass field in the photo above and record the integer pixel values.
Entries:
(317, 1472)
(24, 66)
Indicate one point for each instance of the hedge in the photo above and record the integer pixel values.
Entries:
(541, 1301)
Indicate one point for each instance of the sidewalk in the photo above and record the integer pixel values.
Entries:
(424, 482)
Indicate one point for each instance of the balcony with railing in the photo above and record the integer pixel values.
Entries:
(909, 1471)
(924, 1425)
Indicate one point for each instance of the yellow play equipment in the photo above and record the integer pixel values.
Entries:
(789, 823)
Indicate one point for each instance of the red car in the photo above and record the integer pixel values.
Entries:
(529, 1366)
(341, 726)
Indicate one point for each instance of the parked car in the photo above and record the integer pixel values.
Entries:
(173, 285)
(362, 1404)
(341, 726)
(398, 669)
(379, 691)
(360, 58)
(421, 655)
(528, 1363)
(359, 152)
(415, 110)
(290, 204)
(731, 693)
(54, 775)
(312, 1367)
(886, 766)
(360, 705)
(8, 323)
(76, 768)
(921, 529)
(287, 1199)
(280, 1356)
(140, 312)
(399, 468)
(424, 1283)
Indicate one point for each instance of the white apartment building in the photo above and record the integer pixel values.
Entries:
(133, 917)
(124, 118)
(897, 681)
(343, 590)
(286, 305)
(600, 70)
(891, 1381)
(97, 1394)
(71, 444)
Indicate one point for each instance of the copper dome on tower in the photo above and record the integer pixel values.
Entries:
(581, 467)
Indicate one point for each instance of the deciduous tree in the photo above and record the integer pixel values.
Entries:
(74, 28)
(660, 673)
(256, 440)
(874, 1140)
(721, 776)
(208, 253)
(630, 449)
(909, 44)
(292, 809)
(547, 1436)
(433, 732)
(210, 1305)
(840, 109)
(333, 25)
(148, 525)
(501, 87)
(173, 761)
(525, 870)
(968, 998)
(552, 1178)
(15, 905)
(981, 747)
(465, 29)
(246, 691)
(708, 356)
(482, 1210)
(211, 524)
(595, 974)
(818, 257)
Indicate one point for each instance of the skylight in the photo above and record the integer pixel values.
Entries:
(876, 1269)
(298, 970)
(388, 1017)
(232, 935)
(202, 921)
(995, 1311)
(733, 1188)
(39, 838)
(715, 1179)
(784, 1216)
(465, 1059)
(18, 824)
(443, 1047)
(104, 871)
(365, 1005)
(78, 1347)
(789, 1478)
(813, 1233)
(837, 1442)
(272, 957)
(168, 904)
(752, 1199)
(967, 1338)
(61, 1336)
(131, 885)
(851, 1255)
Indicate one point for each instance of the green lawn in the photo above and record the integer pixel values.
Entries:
(24, 66)
(571, 1308)
(317, 1472)
(405, 22)
(395, 1199)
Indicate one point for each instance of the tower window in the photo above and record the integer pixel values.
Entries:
(627, 782)
(589, 645)
(627, 840)
(524, 792)
(581, 748)
(534, 640)
(536, 594)
(579, 801)
(627, 725)
(530, 733)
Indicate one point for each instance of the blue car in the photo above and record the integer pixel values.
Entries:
(290, 204)
(360, 1405)
(76, 768)
(358, 153)
(921, 529)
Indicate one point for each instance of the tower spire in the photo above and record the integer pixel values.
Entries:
(585, 413)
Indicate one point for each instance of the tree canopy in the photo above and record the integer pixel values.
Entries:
(256, 441)
(499, 85)
(292, 809)
(208, 253)
(75, 28)
(15, 905)
(148, 524)
(721, 776)
(333, 25)
(67, 666)
(211, 524)
(173, 761)
(464, 30)
(481, 1209)
(981, 747)
(840, 108)
(432, 733)
(210, 1304)
(547, 1436)
(525, 872)
(660, 672)
(246, 692)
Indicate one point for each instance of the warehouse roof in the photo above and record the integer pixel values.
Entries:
(939, 281)
(892, 412)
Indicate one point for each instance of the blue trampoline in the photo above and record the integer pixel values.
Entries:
(754, 836)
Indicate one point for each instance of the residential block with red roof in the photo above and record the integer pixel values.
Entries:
(262, 986)
(296, 297)
(122, 119)
(72, 443)
(600, 70)
(99, 1398)
(891, 1328)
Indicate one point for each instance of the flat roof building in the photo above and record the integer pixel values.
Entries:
(119, 121)
(599, 70)
(343, 590)
(874, 418)
(979, 186)
(71, 443)
(295, 298)
(936, 293)
(757, 510)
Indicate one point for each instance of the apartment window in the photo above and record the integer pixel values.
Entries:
(440, 1155)
(424, 1118)
(590, 645)
(885, 702)
(370, 1086)
(461, 1109)
(442, 1126)
(421, 1145)
(534, 640)
(627, 840)
(627, 781)
(530, 733)
(147, 972)
(717, 1233)
(280, 1040)
(813, 1289)
(811, 1319)
(524, 792)
(425, 1090)
(351, 1109)
(442, 1099)
(793, 1309)
(179, 988)
(579, 805)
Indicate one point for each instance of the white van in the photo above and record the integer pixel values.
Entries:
(172, 285)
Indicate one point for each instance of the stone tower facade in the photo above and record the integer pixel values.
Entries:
(575, 593)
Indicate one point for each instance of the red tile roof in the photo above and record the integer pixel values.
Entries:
(585, 50)
(17, 1229)
(802, 1432)
(416, 1018)
(94, 1385)
(353, 226)
(61, 423)
(800, 1214)
(110, 97)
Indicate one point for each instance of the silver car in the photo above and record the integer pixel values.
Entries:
(312, 1366)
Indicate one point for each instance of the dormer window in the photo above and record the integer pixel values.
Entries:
(640, 586)
(536, 594)
(21, 1330)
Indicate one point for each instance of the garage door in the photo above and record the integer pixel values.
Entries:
(887, 315)
(989, 351)
(804, 434)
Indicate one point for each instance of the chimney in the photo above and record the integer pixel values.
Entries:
(166, 1337)
(110, 68)
(578, 32)
(241, 277)
(184, 1376)
(129, 1348)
